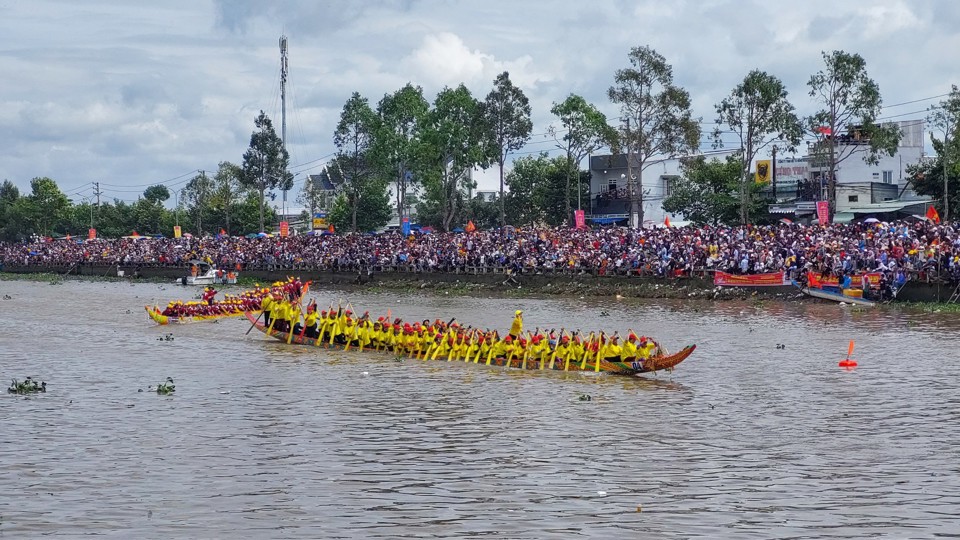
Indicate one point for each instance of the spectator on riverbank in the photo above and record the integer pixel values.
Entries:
(920, 247)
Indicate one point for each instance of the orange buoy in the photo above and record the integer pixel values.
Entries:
(847, 362)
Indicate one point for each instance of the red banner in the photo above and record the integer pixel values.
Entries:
(284, 228)
(775, 279)
(856, 282)
(823, 212)
(91, 234)
(579, 219)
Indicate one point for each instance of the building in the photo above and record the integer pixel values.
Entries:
(863, 190)
(609, 201)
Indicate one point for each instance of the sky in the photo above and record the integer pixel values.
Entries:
(131, 94)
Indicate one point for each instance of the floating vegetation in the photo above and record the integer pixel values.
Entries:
(167, 387)
(585, 397)
(168, 337)
(28, 386)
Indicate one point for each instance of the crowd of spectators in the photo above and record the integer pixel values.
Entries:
(898, 247)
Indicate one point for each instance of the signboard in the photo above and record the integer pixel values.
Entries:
(764, 168)
(284, 228)
(823, 211)
(176, 231)
(405, 226)
(91, 234)
(579, 219)
(856, 281)
(773, 279)
(319, 221)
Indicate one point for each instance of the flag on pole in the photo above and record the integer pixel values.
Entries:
(666, 221)
(470, 226)
(932, 214)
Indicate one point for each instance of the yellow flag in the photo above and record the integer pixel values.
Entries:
(764, 170)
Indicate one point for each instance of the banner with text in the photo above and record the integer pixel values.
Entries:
(856, 282)
(176, 231)
(91, 234)
(823, 212)
(579, 219)
(773, 279)
(284, 228)
(319, 221)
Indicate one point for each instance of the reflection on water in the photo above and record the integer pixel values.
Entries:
(262, 440)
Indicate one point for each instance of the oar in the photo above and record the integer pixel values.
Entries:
(255, 321)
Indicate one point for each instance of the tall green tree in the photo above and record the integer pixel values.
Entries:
(758, 114)
(355, 161)
(584, 130)
(707, 190)
(196, 196)
(149, 210)
(452, 144)
(658, 118)
(945, 117)
(538, 190)
(265, 163)
(400, 116)
(931, 177)
(506, 112)
(226, 192)
(851, 103)
(9, 194)
(45, 207)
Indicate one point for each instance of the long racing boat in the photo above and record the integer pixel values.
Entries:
(158, 317)
(656, 363)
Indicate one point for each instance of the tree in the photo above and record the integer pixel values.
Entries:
(451, 146)
(758, 114)
(538, 190)
(226, 191)
(9, 195)
(946, 118)
(851, 101)
(265, 163)
(506, 112)
(196, 196)
(663, 125)
(372, 212)
(355, 158)
(586, 130)
(928, 176)
(706, 192)
(44, 208)
(400, 116)
(149, 209)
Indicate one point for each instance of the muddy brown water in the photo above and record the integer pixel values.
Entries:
(745, 439)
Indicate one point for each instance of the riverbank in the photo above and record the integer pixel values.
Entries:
(926, 296)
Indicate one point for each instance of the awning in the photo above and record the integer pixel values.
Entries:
(843, 217)
(605, 220)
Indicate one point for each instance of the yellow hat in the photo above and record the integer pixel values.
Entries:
(519, 312)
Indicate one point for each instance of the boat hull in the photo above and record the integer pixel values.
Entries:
(158, 317)
(837, 297)
(650, 365)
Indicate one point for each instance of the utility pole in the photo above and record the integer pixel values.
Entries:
(773, 175)
(283, 104)
(630, 187)
(946, 152)
(96, 191)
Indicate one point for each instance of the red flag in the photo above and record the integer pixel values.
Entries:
(825, 130)
(666, 221)
(932, 214)
(470, 226)
(223, 232)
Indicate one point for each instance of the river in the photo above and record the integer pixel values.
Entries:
(759, 434)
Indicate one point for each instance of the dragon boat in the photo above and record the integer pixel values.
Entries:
(158, 317)
(656, 363)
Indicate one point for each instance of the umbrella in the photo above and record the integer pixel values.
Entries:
(871, 220)
(264, 235)
(787, 221)
(458, 230)
(251, 235)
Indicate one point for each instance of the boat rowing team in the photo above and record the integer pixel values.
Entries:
(451, 340)
(231, 304)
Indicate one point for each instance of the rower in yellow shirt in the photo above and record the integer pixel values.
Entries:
(516, 328)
